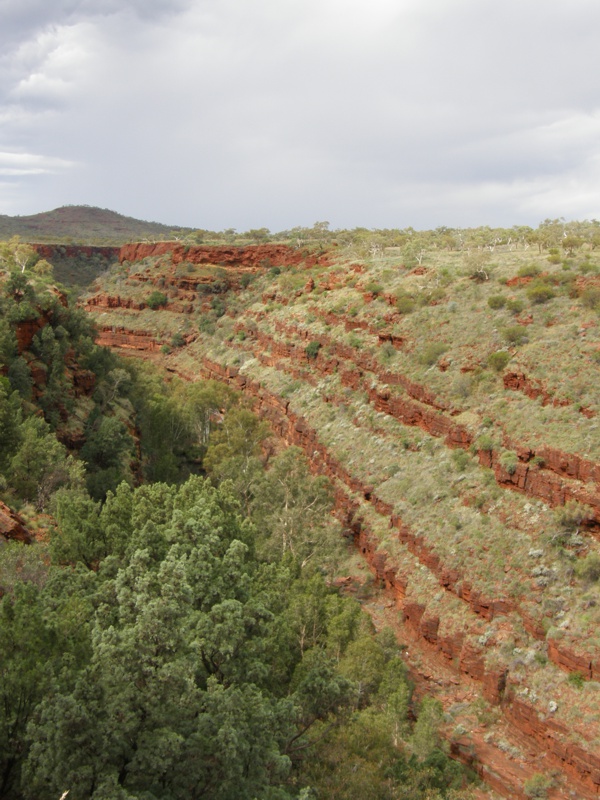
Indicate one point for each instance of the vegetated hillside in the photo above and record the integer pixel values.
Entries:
(449, 390)
(83, 225)
(169, 622)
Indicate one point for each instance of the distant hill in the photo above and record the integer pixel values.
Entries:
(84, 225)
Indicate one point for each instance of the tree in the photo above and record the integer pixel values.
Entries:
(41, 463)
(27, 645)
(234, 451)
(293, 509)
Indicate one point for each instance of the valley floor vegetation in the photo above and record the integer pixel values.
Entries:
(173, 631)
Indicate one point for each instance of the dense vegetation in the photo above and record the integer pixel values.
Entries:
(173, 633)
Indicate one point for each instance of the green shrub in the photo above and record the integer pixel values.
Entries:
(570, 516)
(515, 306)
(461, 459)
(498, 360)
(178, 340)
(540, 292)
(156, 299)
(497, 301)
(218, 306)
(432, 352)
(373, 288)
(312, 349)
(590, 297)
(588, 569)
(404, 303)
(509, 461)
(577, 680)
(538, 785)
(484, 442)
(514, 334)
(529, 271)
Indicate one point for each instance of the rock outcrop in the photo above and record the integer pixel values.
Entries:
(12, 526)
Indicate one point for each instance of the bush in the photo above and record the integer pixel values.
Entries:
(577, 680)
(484, 442)
(514, 334)
(404, 303)
(538, 785)
(590, 297)
(373, 288)
(515, 306)
(312, 349)
(498, 360)
(529, 271)
(178, 340)
(588, 569)
(218, 306)
(497, 301)
(509, 461)
(431, 354)
(540, 292)
(156, 299)
(570, 516)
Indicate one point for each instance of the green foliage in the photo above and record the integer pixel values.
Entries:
(509, 461)
(41, 464)
(404, 303)
(292, 509)
(571, 515)
(538, 785)
(312, 349)
(540, 292)
(431, 353)
(485, 443)
(590, 297)
(497, 301)
(588, 568)
(514, 334)
(515, 305)
(576, 679)
(461, 459)
(156, 300)
(373, 288)
(19, 376)
(529, 271)
(234, 452)
(498, 360)
(106, 452)
(426, 733)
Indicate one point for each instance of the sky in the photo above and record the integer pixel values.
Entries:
(245, 114)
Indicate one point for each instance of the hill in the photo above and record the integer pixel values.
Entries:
(448, 388)
(84, 225)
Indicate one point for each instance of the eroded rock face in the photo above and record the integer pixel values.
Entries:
(51, 251)
(26, 330)
(127, 340)
(12, 526)
(251, 256)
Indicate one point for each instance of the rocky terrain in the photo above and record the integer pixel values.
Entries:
(455, 410)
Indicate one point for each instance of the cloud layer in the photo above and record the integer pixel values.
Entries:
(224, 113)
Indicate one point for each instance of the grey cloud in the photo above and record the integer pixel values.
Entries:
(227, 113)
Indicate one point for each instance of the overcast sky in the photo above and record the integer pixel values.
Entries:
(276, 113)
